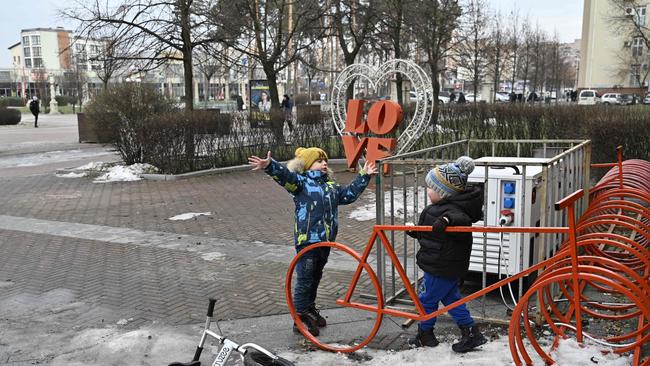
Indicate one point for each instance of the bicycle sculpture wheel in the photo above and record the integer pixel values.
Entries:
(342, 268)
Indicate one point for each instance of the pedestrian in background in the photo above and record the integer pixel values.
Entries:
(461, 98)
(287, 109)
(452, 97)
(34, 107)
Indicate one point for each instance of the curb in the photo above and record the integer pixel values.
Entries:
(229, 169)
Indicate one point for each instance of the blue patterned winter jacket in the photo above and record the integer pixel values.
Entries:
(317, 198)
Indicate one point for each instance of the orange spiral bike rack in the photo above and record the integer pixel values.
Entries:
(605, 256)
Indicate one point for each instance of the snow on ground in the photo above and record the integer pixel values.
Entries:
(39, 328)
(368, 211)
(50, 157)
(95, 165)
(189, 215)
(71, 175)
(129, 173)
(496, 352)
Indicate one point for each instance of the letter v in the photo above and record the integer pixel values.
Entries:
(353, 149)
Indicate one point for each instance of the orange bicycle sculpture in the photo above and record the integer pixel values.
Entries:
(608, 261)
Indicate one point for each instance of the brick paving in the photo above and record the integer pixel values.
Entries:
(153, 283)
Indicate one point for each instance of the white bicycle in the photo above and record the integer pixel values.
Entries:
(250, 353)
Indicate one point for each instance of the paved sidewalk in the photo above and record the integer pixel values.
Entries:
(78, 256)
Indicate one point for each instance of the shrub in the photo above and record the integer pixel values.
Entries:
(9, 116)
(63, 100)
(11, 102)
(301, 99)
(121, 110)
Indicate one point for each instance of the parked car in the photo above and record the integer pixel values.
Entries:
(629, 99)
(646, 100)
(470, 98)
(502, 97)
(443, 97)
(611, 98)
(588, 97)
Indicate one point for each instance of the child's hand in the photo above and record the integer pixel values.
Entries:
(440, 224)
(259, 163)
(370, 168)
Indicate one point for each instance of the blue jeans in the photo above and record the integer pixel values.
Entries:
(435, 289)
(309, 271)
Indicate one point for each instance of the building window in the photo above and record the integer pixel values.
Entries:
(637, 47)
(36, 40)
(94, 49)
(36, 51)
(28, 62)
(79, 48)
(639, 16)
(27, 52)
(25, 40)
(38, 62)
(635, 75)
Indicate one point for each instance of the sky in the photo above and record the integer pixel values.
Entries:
(565, 16)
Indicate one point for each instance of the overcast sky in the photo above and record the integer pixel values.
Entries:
(563, 16)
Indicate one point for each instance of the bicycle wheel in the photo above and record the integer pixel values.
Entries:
(256, 358)
(330, 339)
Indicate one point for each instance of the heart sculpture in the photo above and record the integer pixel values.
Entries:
(376, 77)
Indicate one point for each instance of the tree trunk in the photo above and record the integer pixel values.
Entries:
(187, 56)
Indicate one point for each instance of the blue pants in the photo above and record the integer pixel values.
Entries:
(435, 289)
(309, 271)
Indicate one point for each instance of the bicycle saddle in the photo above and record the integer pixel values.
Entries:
(191, 363)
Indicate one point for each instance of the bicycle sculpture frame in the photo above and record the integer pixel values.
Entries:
(623, 268)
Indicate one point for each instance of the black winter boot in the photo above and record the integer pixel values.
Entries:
(471, 337)
(320, 321)
(424, 338)
(310, 322)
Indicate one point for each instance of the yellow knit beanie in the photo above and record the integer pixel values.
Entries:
(310, 155)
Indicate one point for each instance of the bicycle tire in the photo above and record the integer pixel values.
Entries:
(373, 278)
(256, 358)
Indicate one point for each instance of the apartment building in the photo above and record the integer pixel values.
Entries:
(613, 57)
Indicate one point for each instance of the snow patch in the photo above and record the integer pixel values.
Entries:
(213, 256)
(368, 211)
(95, 165)
(72, 175)
(51, 157)
(189, 215)
(129, 173)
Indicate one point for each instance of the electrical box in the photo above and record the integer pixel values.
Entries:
(512, 192)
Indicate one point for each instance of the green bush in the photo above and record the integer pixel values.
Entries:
(301, 99)
(119, 112)
(63, 100)
(9, 116)
(11, 102)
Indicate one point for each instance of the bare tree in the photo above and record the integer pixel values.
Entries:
(514, 44)
(156, 30)
(353, 23)
(434, 24)
(630, 19)
(528, 39)
(209, 66)
(471, 51)
(393, 16)
(496, 52)
(73, 82)
(271, 32)
(110, 58)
